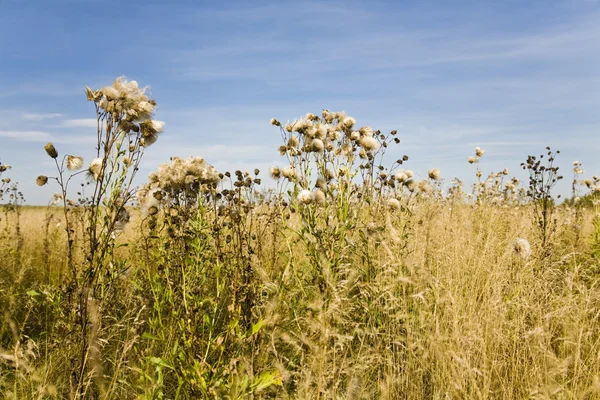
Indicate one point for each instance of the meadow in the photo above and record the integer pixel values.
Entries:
(351, 279)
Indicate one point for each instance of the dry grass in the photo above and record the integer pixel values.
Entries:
(448, 311)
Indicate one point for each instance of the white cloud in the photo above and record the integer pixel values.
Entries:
(40, 116)
(80, 123)
(26, 136)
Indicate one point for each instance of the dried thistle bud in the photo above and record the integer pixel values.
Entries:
(51, 150)
(275, 122)
(275, 172)
(434, 174)
(41, 180)
(393, 203)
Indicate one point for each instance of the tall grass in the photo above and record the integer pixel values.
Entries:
(350, 279)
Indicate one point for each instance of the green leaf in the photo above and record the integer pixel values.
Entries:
(146, 335)
(160, 362)
(256, 327)
(266, 379)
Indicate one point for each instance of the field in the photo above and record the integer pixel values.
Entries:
(350, 279)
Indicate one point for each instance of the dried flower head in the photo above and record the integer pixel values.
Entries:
(41, 180)
(289, 173)
(522, 248)
(369, 143)
(434, 174)
(74, 163)
(393, 203)
(471, 159)
(305, 197)
(479, 152)
(275, 172)
(317, 145)
(150, 129)
(51, 150)
(319, 196)
(275, 122)
(95, 168)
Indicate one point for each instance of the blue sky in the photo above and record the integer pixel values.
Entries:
(509, 76)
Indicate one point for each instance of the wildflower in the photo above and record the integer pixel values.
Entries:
(409, 173)
(522, 248)
(95, 168)
(57, 197)
(317, 145)
(289, 173)
(150, 130)
(41, 180)
(434, 174)
(143, 110)
(6, 180)
(4, 167)
(401, 176)
(110, 93)
(424, 187)
(471, 159)
(275, 122)
(393, 203)
(305, 196)
(366, 131)
(51, 150)
(74, 163)
(479, 152)
(275, 172)
(578, 171)
(575, 163)
(505, 171)
(94, 95)
(369, 143)
(319, 196)
(355, 136)
(293, 141)
(282, 150)
(348, 122)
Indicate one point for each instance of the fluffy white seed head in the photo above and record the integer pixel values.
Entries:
(522, 248)
(434, 174)
(305, 197)
(74, 163)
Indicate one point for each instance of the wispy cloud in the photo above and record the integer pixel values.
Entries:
(40, 116)
(80, 123)
(26, 136)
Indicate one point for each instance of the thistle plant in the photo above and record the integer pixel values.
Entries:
(333, 168)
(543, 176)
(124, 128)
(4, 182)
(479, 152)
